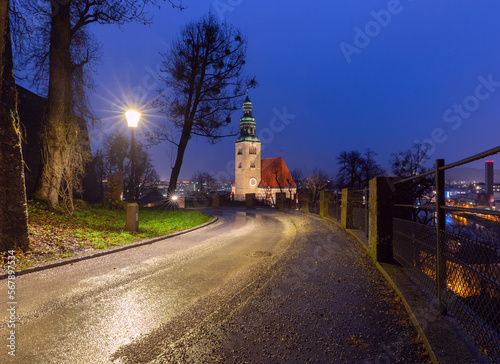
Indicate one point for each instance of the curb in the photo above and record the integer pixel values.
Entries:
(109, 250)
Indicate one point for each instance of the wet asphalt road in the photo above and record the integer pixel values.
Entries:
(324, 301)
(258, 286)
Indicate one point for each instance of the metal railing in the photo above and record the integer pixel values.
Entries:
(335, 209)
(463, 273)
(314, 207)
(334, 206)
(360, 210)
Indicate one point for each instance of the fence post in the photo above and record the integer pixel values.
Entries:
(215, 200)
(250, 200)
(366, 193)
(347, 212)
(325, 199)
(381, 213)
(440, 236)
(181, 202)
(132, 217)
(280, 200)
(304, 202)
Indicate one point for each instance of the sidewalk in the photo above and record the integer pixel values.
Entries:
(444, 337)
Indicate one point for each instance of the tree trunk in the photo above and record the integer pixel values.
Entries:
(13, 209)
(4, 31)
(58, 105)
(181, 148)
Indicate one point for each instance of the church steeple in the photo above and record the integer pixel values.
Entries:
(247, 123)
(247, 107)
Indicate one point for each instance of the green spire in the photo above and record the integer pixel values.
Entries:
(247, 123)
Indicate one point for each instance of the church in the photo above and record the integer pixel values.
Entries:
(253, 174)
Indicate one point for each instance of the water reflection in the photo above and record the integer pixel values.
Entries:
(474, 227)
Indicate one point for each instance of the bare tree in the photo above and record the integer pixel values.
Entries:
(13, 208)
(350, 171)
(356, 169)
(144, 170)
(75, 156)
(277, 177)
(117, 158)
(316, 182)
(297, 176)
(370, 168)
(410, 163)
(116, 151)
(268, 192)
(204, 83)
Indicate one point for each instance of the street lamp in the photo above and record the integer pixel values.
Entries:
(133, 117)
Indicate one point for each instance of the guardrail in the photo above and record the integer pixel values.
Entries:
(463, 273)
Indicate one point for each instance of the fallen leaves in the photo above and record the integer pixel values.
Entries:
(357, 342)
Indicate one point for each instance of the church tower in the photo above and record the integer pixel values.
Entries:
(247, 156)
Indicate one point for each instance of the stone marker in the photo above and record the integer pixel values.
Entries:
(132, 223)
(215, 201)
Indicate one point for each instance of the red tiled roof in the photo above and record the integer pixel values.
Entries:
(268, 174)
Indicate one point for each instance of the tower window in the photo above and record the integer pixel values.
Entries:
(239, 166)
(252, 164)
(240, 151)
(253, 150)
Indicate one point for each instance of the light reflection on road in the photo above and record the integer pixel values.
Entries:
(103, 312)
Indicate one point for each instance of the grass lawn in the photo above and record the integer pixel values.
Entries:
(56, 235)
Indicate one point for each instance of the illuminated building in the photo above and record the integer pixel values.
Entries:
(264, 177)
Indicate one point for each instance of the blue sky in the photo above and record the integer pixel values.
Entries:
(413, 70)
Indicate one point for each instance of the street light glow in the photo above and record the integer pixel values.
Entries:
(133, 117)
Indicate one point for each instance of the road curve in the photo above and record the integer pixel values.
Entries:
(136, 302)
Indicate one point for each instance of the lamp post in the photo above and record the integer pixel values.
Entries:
(133, 117)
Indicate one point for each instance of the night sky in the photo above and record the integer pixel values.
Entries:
(346, 75)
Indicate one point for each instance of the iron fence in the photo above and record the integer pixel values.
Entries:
(472, 291)
(414, 247)
(360, 210)
(314, 207)
(463, 273)
(334, 209)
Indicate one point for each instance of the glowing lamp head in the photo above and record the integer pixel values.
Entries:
(174, 198)
(133, 117)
